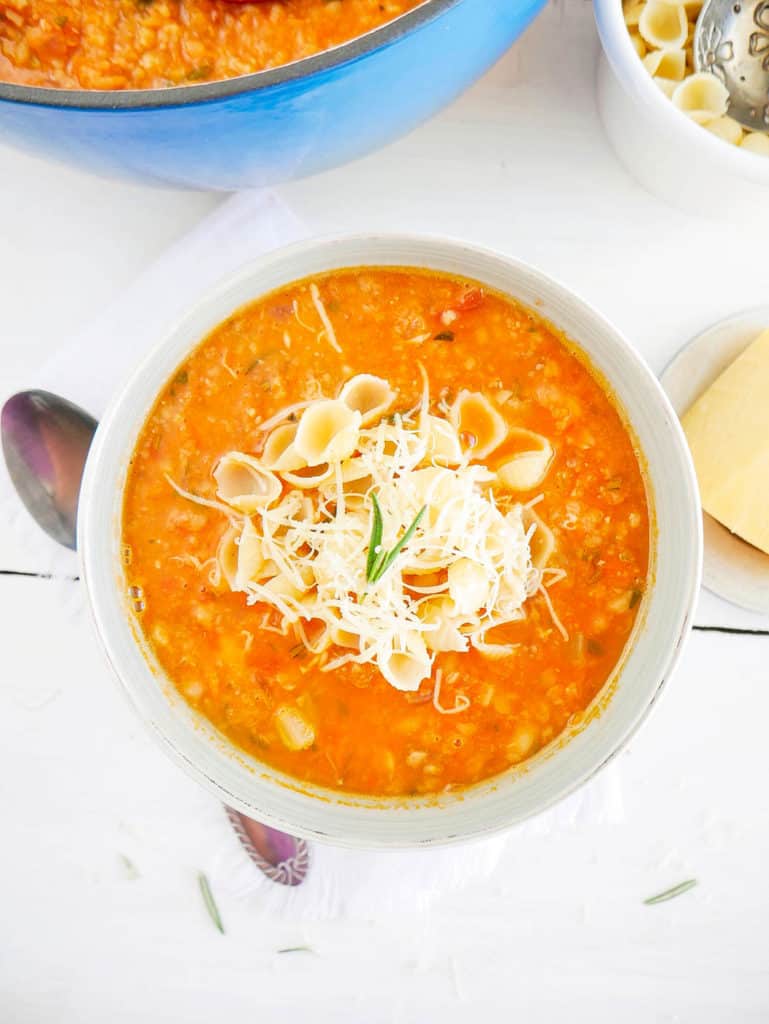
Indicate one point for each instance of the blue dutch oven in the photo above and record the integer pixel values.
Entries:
(277, 124)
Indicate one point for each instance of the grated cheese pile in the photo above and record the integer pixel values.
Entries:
(301, 531)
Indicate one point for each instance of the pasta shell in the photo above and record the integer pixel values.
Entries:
(369, 395)
(443, 445)
(340, 636)
(468, 586)
(702, 97)
(527, 468)
(542, 542)
(693, 8)
(355, 469)
(638, 44)
(285, 595)
(489, 649)
(756, 142)
(309, 477)
(244, 484)
(250, 556)
(279, 451)
(726, 128)
(632, 11)
(663, 25)
(669, 64)
(327, 432)
(227, 557)
(405, 669)
(441, 612)
(481, 428)
(666, 85)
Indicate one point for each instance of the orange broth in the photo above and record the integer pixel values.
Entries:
(152, 44)
(369, 737)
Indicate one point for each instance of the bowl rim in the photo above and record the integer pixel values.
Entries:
(629, 69)
(97, 559)
(205, 92)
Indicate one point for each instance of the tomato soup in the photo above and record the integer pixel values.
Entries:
(295, 658)
(151, 44)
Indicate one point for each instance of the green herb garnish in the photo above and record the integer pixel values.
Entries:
(670, 894)
(296, 949)
(132, 872)
(379, 560)
(210, 902)
(444, 336)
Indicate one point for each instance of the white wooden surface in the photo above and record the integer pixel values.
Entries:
(558, 932)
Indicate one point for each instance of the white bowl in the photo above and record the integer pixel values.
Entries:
(652, 653)
(668, 153)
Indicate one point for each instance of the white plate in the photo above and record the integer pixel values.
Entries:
(732, 569)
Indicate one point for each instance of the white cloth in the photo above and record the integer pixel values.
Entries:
(88, 371)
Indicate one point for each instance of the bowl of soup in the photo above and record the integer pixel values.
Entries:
(224, 95)
(391, 540)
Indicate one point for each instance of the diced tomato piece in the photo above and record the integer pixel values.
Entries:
(471, 298)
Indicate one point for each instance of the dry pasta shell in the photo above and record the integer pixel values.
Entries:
(663, 26)
(702, 97)
(670, 64)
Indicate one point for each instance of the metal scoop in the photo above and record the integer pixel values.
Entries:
(732, 42)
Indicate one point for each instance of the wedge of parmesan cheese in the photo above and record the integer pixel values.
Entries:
(728, 433)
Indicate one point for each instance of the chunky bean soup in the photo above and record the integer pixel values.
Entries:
(387, 531)
(150, 44)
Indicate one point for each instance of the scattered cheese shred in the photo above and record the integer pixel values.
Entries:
(328, 327)
(462, 703)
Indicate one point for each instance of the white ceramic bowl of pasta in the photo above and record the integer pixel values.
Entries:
(652, 653)
(672, 156)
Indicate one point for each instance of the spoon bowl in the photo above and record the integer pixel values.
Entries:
(731, 41)
(45, 443)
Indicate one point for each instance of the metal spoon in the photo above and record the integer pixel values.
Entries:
(731, 41)
(45, 442)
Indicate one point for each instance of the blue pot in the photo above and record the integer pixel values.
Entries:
(278, 124)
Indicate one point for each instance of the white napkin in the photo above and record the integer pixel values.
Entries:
(88, 371)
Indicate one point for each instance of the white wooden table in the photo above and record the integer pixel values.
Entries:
(559, 931)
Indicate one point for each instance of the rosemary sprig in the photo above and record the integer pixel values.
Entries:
(131, 871)
(379, 560)
(210, 902)
(376, 538)
(670, 894)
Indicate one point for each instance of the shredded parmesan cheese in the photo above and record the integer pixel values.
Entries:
(324, 318)
(464, 568)
(462, 703)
